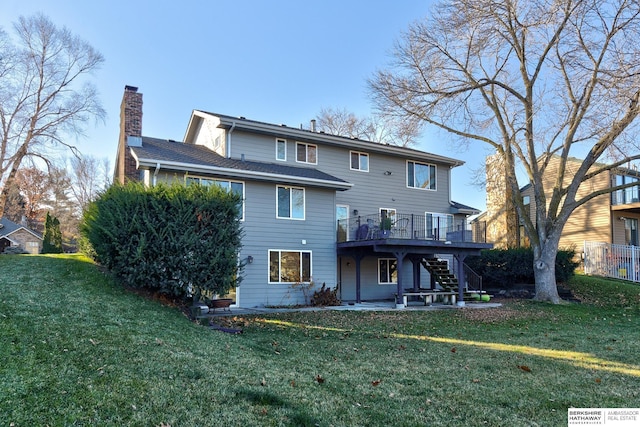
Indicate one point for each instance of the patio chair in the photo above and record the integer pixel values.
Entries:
(373, 229)
(400, 227)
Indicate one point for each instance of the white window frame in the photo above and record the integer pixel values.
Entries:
(284, 141)
(389, 213)
(346, 227)
(304, 203)
(435, 176)
(306, 151)
(301, 278)
(360, 155)
(389, 261)
(207, 180)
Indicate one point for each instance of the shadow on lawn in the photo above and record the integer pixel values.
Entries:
(266, 398)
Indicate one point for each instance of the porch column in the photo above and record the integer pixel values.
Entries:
(400, 264)
(461, 278)
(416, 272)
(357, 259)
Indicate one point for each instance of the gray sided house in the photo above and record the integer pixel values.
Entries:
(344, 212)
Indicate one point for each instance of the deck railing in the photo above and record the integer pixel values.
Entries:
(405, 226)
(615, 261)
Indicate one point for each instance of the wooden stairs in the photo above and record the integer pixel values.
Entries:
(439, 271)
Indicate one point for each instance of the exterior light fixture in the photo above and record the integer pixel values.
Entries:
(250, 259)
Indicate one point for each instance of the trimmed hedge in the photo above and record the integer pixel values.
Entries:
(174, 239)
(504, 268)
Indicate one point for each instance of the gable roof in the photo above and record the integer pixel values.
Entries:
(156, 153)
(8, 227)
(459, 208)
(304, 135)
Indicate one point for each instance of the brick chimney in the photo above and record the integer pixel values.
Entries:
(130, 126)
(502, 219)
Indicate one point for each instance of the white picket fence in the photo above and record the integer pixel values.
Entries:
(608, 260)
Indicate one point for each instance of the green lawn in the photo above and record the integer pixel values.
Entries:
(76, 349)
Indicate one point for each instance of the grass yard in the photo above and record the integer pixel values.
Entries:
(76, 349)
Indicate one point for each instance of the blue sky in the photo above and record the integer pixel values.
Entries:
(278, 61)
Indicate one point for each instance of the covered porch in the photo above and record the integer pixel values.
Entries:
(413, 251)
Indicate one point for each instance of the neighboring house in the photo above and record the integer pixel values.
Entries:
(19, 236)
(307, 199)
(610, 218)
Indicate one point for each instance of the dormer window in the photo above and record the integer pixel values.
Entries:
(306, 153)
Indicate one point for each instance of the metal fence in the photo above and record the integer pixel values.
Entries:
(615, 261)
(405, 226)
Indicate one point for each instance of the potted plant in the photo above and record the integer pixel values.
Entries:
(385, 227)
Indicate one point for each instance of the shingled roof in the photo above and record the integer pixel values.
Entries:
(8, 227)
(193, 158)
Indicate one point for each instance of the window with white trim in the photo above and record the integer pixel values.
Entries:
(306, 153)
(387, 271)
(421, 175)
(281, 149)
(290, 202)
(236, 187)
(289, 266)
(359, 161)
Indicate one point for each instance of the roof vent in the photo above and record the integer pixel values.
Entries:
(313, 125)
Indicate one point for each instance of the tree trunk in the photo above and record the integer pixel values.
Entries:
(544, 270)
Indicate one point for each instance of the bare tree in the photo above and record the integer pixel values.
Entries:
(377, 128)
(45, 97)
(89, 176)
(34, 187)
(535, 80)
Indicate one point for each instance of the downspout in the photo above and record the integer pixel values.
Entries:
(155, 174)
(228, 153)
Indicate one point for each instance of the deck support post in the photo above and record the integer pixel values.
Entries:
(400, 255)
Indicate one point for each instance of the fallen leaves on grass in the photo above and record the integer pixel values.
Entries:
(524, 368)
(497, 314)
(319, 379)
(376, 383)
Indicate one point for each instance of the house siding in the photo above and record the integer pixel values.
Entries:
(263, 231)
(591, 221)
(371, 190)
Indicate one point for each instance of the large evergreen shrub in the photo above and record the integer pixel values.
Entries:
(504, 268)
(174, 239)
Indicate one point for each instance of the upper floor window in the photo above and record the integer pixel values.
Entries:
(627, 195)
(235, 186)
(421, 175)
(306, 153)
(359, 161)
(281, 149)
(289, 266)
(290, 202)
